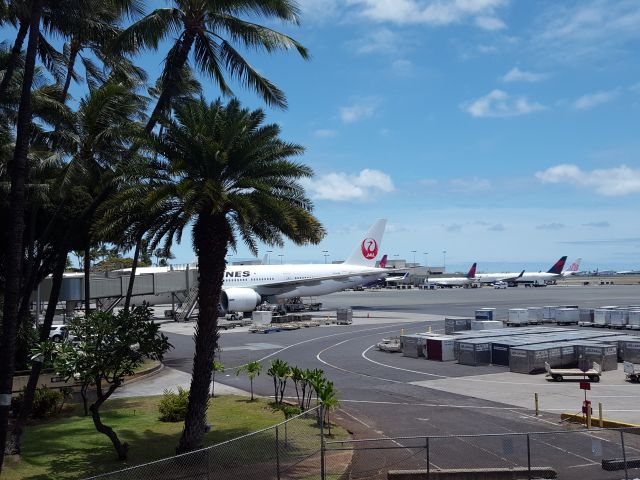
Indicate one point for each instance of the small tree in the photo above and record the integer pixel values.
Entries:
(252, 370)
(217, 367)
(297, 376)
(280, 371)
(328, 398)
(106, 349)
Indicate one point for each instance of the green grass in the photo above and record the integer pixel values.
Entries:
(70, 447)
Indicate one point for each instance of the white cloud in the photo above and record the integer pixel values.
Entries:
(498, 227)
(381, 40)
(635, 87)
(402, 67)
(591, 100)
(325, 133)
(359, 110)
(320, 10)
(587, 29)
(499, 103)
(600, 224)
(490, 23)
(517, 75)
(469, 184)
(433, 12)
(617, 181)
(340, 186)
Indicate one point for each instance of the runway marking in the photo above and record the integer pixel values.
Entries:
(363, 355)
(435, 405)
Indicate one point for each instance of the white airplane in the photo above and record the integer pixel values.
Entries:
(573, 269)
(247, 286)
(455, 281)
(550, 275)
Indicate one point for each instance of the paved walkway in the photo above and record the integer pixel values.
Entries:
(167, 378)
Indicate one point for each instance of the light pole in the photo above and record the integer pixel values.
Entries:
(414, 258)
(280, 255)
(268, 258)
(444, 261)
(426, 259)
(326, 254)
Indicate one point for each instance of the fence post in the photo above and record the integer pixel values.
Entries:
(428, 460)
(277, 453)
(529, 456)
(624, 456)
(321, 413)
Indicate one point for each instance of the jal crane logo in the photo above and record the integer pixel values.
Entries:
(369, 248)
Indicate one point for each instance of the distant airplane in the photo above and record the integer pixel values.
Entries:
(455, 281)
(552, 274)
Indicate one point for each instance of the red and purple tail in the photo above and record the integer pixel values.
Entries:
(383, 261)
(472, 271)
(559, 265)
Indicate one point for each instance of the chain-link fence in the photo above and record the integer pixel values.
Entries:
(298, 449)
(599, 454)
(289, 450)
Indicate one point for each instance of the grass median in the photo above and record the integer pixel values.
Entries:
(69, 446)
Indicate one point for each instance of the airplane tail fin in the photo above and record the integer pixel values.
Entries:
(472, 271)
(366, 252)
(558, 266)
(521, 274)
(575, 266)
(383, 262)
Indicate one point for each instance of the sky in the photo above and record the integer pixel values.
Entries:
(503, 132)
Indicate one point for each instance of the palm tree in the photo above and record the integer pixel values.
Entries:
(252, 369)
(231, 177)
(15, 228)
(201, 26)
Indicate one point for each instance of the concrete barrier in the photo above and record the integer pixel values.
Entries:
(519, 473)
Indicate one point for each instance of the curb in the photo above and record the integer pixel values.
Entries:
(606, 423)
(144, 373)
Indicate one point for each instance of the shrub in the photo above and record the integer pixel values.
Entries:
(45, 403)
(173, 406)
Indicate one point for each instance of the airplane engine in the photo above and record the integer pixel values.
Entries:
(239, 300)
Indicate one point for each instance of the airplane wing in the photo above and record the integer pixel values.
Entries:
(512, 279)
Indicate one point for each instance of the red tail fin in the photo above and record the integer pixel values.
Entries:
(383, 262)
(472, 271)
(559, 265)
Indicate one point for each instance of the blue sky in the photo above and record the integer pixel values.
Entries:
(504, 132)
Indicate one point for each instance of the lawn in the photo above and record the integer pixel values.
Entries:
(69, 446)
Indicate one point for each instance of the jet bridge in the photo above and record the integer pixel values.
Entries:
(175, 286)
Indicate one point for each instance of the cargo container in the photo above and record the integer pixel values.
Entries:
(531, 358)
(602, 316)
(534, 315)
(500, 347)
(631, 351)
(620, 342)
(262, 318)
(567, 316)
(344, 316)
(412, 345)
(605, 355)
(518, 316)
(486, 324)
(439, 348)
(634, 319)
(586, 315)
(549, 313)
(456, 325)
(474, 352)
(619, 318)
(485, 314)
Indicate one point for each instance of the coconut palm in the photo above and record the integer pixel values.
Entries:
(230, 176)
(252, 370)
(208, 28)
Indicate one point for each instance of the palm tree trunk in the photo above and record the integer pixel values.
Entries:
(13, 256)
(13, 446)
(13, 59)
(170, 83)
(74, 48)
(132, 275)
(87, 279)
(211, 235)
